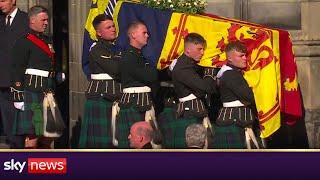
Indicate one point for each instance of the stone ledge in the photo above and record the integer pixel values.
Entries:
(307, 49)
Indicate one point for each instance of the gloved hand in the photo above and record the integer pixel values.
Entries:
(173, 63)
(60, 77)
(19, 105)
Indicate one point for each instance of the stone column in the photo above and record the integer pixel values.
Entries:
(78, 11)
(307, 51)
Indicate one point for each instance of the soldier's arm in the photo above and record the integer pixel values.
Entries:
(239, 86)
(107, 61)
(20, 58)
(200, 86)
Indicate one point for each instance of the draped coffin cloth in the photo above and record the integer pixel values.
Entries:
(271, 72)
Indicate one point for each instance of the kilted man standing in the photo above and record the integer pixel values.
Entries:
(234, 123)
(136, 78)
(104, 88)
(191, 88)
(33, 74)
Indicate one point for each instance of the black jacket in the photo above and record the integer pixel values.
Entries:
(28, 55)
(187, 80)
(104, 59)
(135, 70)
(8, 36)
(233, 86)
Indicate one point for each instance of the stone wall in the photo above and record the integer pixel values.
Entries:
(78, 11)
(307, 51)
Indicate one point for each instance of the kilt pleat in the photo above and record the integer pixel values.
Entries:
(241, 116)
(125, 119)
(228, 137)
(166, 120)
(179, 127)
(23, 124)
(96, 125)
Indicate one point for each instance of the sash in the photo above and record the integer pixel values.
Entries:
(41, 44)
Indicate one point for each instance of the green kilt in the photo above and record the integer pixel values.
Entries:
(96, 124)
(178, 127)
(23, 123)
(127, 116)
(228, 137)
(166, 120)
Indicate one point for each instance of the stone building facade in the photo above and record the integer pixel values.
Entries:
(299, 17)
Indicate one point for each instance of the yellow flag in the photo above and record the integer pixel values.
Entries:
(97, 7)
(263, 73)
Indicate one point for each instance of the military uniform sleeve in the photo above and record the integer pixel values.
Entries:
(239, 86)
(105, 61)
(20, 58)
(200, 86)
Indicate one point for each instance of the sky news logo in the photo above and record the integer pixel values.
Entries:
(38, 165)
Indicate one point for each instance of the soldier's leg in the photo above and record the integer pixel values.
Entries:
(8, 111)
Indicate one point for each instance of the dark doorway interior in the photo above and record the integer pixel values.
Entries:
(61, 45)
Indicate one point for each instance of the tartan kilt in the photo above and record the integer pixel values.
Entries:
(127, 116)
(228, 137)
(166, 120)
(23, 124)
(178, 127)
(96, 124)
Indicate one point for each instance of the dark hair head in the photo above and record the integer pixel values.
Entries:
(100, 18)
(195, 38)
(35, 10)
(133, 26)
(236, 46)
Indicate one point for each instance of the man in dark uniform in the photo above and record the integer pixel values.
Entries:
(237, 115)
(104, 87)
(32, 82)
(191, 88)
(136, 78)
(13, 25)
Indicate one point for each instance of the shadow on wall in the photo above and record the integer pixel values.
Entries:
(74, 140)
(61, 44)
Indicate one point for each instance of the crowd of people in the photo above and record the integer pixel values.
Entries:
(127, 103)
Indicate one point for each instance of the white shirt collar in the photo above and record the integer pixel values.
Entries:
(223, 69)
(13, 14)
